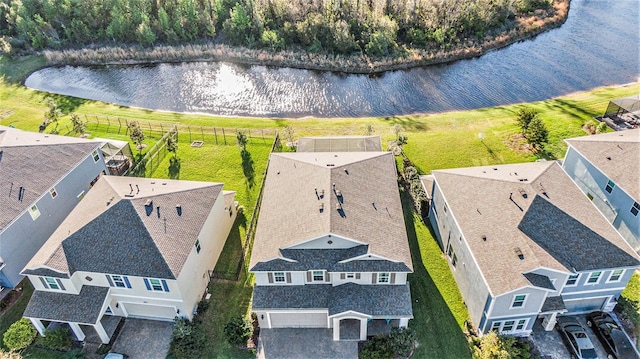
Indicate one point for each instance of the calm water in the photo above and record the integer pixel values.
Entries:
(597, 46)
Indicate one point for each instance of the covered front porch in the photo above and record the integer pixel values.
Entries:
(549, 312)
(85, 309)
(353, 328)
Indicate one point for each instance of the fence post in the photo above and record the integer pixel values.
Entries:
(149, 123)
(224, 136)
(119, 125)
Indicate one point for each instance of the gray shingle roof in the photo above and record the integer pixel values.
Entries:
(569, 241)
(84, 308)
(540, 281)
(35, 168)
(616, 154)
(490, 201)
(553, 304)
(376, 300)
(370, 211)
(113, 230)
(364, 265)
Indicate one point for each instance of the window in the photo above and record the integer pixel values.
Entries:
(383, 277)
(508, 325)
(278, 277)
(156, 285)
(95, 156)
(521, 324)
(51, 283)
(318, 276)
(594, 277)
(198, 245)
(518, 301)
(454, 260)
(350, 275)
(496, 326)
(635, 208)
(572, 280)
(590, 196)
(80, 196)
(610, 186)
(34, 212)
(616, 275)
(119, 281)
(450, 251)
(53, 192)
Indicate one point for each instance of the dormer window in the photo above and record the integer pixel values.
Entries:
(278, 277)
(52, 283)
(383, 277)
(318, 276)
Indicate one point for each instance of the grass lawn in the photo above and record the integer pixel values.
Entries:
(632, 295)
(14, 313)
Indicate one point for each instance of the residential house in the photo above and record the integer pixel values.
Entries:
(606, 167)
(331, 247)
(134, 247)
(523, 242)
(42, 178)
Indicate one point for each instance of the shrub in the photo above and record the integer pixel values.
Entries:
(378, 347)
(188, 338)
(537, 134)
(238, 331)
(19, 335)
(9, 355)
(494, 345)
(57, 339)
(401, 341)
(524, 117)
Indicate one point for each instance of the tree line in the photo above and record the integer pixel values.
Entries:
(372, 27)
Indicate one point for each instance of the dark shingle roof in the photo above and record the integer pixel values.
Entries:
(36, 169)
(85, 307)
(553, 304)
(556, 232)
(45, 272)
(312, 296)
(538, 280)
(375, 265)
(376, 300)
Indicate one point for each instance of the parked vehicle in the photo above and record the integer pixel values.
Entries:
(576, 339)
(612, 337)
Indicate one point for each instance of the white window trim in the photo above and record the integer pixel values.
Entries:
(313, 276)
(350, 275)
(612, 187)
(515, 325)
(95, 154)
(574, 284)
(633, 206)
(52, 191)
(34, 214)
(382, 274)
(284, 277)
(524, 302)
(589, 277)
(48, 286)
(619, 277)
(114, 280)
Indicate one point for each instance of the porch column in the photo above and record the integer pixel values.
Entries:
(404, 322)
(75, 327)
(363, 329)
(550, 322)
(336, 329)
(101, 333)
(38, 324)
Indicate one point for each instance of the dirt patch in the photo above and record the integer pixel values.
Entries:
(517, 142)
(10, 299)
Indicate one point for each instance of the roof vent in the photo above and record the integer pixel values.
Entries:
(148, 203)
(321, 207)
(519, 253)
(346, 171)
(484, 238)
(179, 209)
(158, 210)
(495, 168)
(338, 193)
(522, 179)
(329, 242)
(523, 193)
(609, 158)
(131, 186)
(330, 164)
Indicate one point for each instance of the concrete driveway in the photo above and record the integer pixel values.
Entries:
(297, 343)
(144, 339)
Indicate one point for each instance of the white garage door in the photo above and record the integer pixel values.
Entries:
(149, 311)
(585, 305)
(298, 320)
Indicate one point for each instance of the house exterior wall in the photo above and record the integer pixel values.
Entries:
(322, 242)
(503, 304)
(466, 271)
(602, 285)
(518, 329)
(22, 239)
(194, 277)
(615, 206)
(300, 278)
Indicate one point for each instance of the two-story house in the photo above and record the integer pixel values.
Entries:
(606, 168)
(523, 242)
(42, 178)
(331, 247)
(134, 247)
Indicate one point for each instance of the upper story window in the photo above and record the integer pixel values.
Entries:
(383, 277)
(616, 275)
(118, 281)
(610, 186)
(34, 212)
(197, 245)
(518, 301)
(350, 275)
(318, 276)
(572, 280)
(635, 208)
(52, 283)
(53, 192)
(156, 285)
(594, 277)
(95, 155)
(279, 277)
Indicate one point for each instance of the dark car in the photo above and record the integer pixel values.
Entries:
(613, 339)
(576, 339)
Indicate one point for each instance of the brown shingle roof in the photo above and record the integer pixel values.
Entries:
(370, 212)
(490, 201)
(616, 154)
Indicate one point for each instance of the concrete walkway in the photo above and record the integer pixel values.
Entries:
(144, 339)
(297, 343)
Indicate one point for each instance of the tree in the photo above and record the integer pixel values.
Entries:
(79, 126)
(498, 346)
(289, 134)
(242, 140)
(135, 134)
(237, 331)
(172, 145)
(524, 117)
(537, 134)
(52, 114)
(19, 335)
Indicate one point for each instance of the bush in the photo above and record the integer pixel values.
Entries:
(378, 347)
(398, 344)
(401, 341)
(238, 331)
(57, 339)
(494, 345)
(188, 339)
(19, 335)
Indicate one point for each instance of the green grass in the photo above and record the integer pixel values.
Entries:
(14, 313)
(631, 297)
(438, 308)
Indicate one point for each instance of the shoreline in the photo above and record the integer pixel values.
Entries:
(526, 28)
